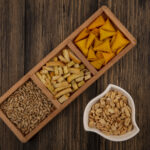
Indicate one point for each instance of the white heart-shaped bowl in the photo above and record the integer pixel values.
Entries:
(124, 137)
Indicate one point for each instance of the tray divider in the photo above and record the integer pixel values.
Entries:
(45, 91)
(82, 58)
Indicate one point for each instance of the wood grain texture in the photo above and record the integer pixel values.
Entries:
(11, 57)
(31, 29)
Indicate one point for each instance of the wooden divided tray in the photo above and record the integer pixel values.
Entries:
(32, 77)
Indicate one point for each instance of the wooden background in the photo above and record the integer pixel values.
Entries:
(30, 29)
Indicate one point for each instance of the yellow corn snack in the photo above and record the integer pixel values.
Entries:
(105, 34)
(119, 41)
(98, 22)
(91, 54)
(108, 26)
(99, 55)
(108, 56)
(95, 31)
(105, 46)
(82, 45)
(83, 34)
(120, 49)
(112, 40)
(98, 63)
(90, 40)
(97, 42)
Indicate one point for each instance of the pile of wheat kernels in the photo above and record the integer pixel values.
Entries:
(111, 114)
(27, 107)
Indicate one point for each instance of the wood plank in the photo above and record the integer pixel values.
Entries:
(60, 18)
(11, 57)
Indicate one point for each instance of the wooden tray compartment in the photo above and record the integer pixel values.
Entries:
(83, 61)
(106, 13)
(67, 42)
(23, 138)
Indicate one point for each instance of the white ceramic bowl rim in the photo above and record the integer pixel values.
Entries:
(124, 137)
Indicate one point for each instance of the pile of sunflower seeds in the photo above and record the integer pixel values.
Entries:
(111, 114)
(27, 107)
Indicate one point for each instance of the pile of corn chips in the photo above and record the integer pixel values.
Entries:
(100, 42)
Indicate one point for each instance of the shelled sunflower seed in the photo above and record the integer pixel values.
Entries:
(111, 114)
(63, 75)
(27, 107)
